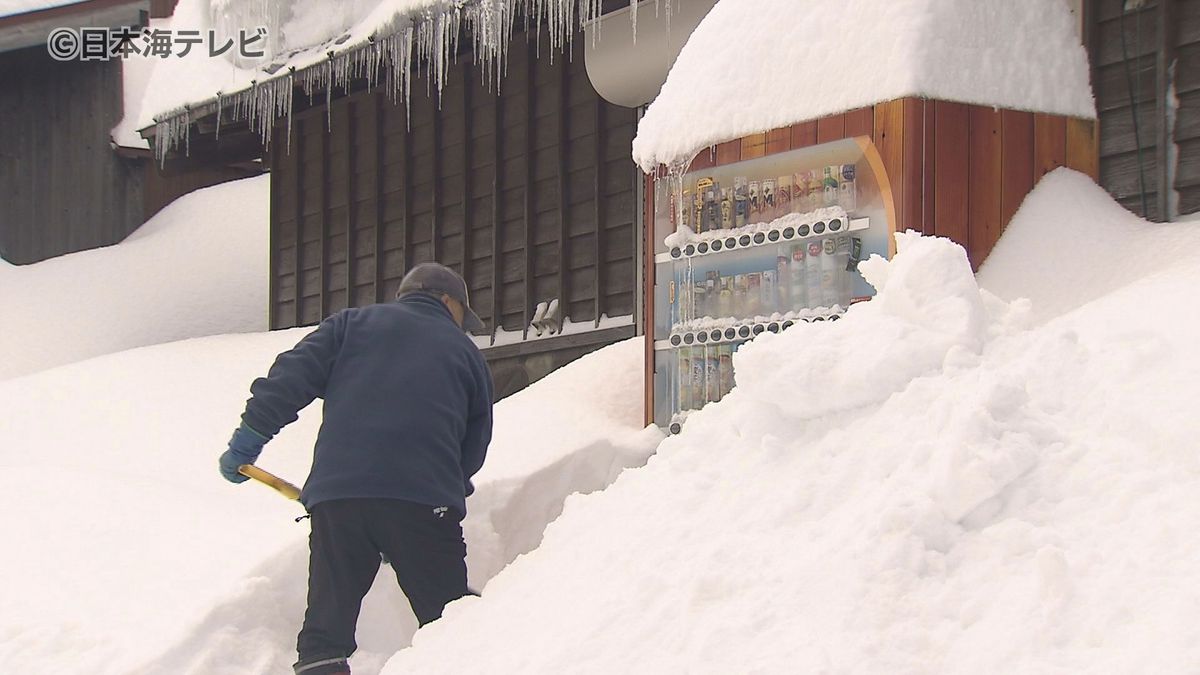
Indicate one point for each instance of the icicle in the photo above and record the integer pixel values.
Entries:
(633, 12)
(220, 100)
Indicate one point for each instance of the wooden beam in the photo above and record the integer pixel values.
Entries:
(377, 283)
(297, 291)
(889, 139)
(564, 294)
(952, 168)
(351, 207)
(324, 241)
(929, 167)
(804, 134)
(1049, 144)
(1016, 161)
(1083, 147)
(435, 220)
(1165, 61)
(598, 244)
(860, 122)
(779, 140)
(530, 216)
(831, 128)
(497, 254)
(466, 194)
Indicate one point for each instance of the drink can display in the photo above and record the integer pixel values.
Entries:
(685, 210)
(797, 293)
(712, 207)
(740, 287)
(829, 272)
(768, 200)
(812, 273)
(800, 192)
(711, 286)
(741, 201)
(783, 195)
(816, 189)
(755, 210)
(699, 209)
(847, 194)
(726, 209)
(725, 297)
(712, 373)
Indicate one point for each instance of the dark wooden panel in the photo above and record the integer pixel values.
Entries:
(929, 167)
(913, 145)
(804, 134)
(831, 128)
(1017, 161)
(889, 139)
(779, 140)
(984, 198)
(1083, 152)
(754, 145)
(728, 153)
(952, 167)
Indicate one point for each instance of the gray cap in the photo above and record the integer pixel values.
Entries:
(436, 278)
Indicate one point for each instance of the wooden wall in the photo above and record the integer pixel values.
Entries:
(62, 189)
(529, 194)
(956, 170)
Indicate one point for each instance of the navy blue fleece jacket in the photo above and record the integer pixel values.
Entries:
(408, 404)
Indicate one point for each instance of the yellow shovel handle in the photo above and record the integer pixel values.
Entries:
(270, 480)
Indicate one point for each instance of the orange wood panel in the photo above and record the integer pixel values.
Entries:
(929, 166)
(952, 166)
(860, 122)
(913, 143)
(1016, 129)
(889, 139)
(754, 146)
(832, 128)
(779, 140)
(983, 198)
(1083, 147)
(728, 153)
(1049, 144)
(804, 134)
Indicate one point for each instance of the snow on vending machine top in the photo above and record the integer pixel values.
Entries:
(757, 246)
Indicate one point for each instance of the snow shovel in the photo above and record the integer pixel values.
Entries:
(270, 480)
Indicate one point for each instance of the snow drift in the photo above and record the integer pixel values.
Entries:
(933, 484)
(129, 553)
(198, 267)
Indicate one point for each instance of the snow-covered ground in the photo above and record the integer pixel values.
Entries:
(198, 267)
(946, 481)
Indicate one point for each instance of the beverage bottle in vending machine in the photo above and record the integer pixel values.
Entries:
(740, 290)
(712, 208)
(783, 195)
(711, 287)
(783, 280)
(698, 367)
(712, 373)
(830, 184)
(741, 201)
(725, 297)
(845, 277)
(797, 293)
(685, 210)
(755, 204)
(753, 294)
(847, 194)
(812, 273)
(698, 209)
(769, 302)
(816, 189)
(829, 272)
(725, 359)
(800, 192)
(726, 209)
(683, 371)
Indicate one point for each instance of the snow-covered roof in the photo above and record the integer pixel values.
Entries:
(756, 65)
(322, 44)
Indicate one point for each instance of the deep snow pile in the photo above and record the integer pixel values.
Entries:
(755, 65)
(198, 267)
(127, 552)
(933, 484)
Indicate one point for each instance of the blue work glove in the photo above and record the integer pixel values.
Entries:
(244, 448)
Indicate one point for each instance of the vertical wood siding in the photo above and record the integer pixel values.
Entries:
(529, 194)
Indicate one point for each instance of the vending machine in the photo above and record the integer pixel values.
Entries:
(752, 247)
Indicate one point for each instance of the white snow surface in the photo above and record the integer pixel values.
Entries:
(938, 483)
(755, 65)
(128, 553)
(198, 267)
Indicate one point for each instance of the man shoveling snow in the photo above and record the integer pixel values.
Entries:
(407, 422)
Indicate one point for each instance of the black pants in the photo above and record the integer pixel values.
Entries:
(426, 550)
